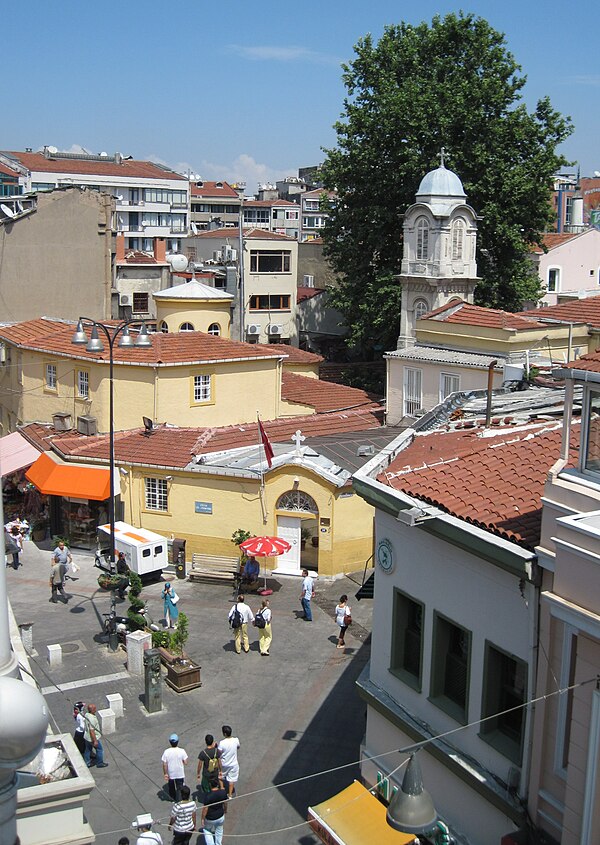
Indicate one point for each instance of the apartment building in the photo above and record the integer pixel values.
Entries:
(215, 205)
(152, 201)
(314, 218)
(274, 215)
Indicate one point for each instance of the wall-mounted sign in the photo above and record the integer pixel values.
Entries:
(203, 507)
(384, 555)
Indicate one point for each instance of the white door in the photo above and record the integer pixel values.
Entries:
(288, 528)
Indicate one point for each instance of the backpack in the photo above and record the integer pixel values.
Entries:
(213, 762)
(259, 620)
(235, 619)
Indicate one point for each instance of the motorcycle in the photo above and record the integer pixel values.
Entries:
(117, 627)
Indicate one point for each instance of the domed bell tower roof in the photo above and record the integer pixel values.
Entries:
(440, 183)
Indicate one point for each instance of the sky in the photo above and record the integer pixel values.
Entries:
(247, 91)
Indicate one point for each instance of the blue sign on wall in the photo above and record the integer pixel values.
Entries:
(203, 507)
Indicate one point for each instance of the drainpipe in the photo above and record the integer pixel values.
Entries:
(488, 409)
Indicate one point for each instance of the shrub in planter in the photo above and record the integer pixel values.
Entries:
(109, 582)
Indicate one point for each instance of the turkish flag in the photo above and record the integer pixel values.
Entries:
(269, 453)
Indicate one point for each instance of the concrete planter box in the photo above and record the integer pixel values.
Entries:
(53, 813)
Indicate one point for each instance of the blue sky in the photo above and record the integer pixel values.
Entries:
(242, 90)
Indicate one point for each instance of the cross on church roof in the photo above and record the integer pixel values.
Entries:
(441, 155)
(298, 439)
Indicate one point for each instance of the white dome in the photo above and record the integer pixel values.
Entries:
(441, 183)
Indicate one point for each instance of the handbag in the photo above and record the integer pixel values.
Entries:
(348, 619)
(175, 599)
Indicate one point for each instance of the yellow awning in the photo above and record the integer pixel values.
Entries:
(354, 817)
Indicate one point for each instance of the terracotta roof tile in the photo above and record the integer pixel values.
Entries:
(474, 315)
(250, 234)
(54, 336)
(175, 447)
(8, 171)
(553, 239)
(248, 203)
(294, 355)
(585, 310)
(138, 257)
(210, 189)
(495, 481)
(37, 162)
(307, 293)
(323, 396)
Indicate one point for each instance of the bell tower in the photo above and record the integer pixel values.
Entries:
(438, 262)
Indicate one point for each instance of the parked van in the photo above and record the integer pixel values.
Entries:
(145, 551)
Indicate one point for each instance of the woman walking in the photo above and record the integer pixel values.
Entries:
(170, 599)
(343, 617)
(265, 635)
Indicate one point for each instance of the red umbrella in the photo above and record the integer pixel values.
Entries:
(265, 547)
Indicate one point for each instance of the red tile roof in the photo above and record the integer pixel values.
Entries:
(269, 203)
(54, 336)
(8, 171)
(318, 192)
(138, 257)
(294, 355)
(323, 396)
(37, 162)
(250, 233)
(492, 318)
(585, 310)
(307, 293)
(553, 239)
(589, 362)
(210, 189)
(495, 482)
(175, 447)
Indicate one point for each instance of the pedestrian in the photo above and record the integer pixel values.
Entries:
(183, 818)
(308, 592)
(147, 836)
(170, 600)
(57, 582)
(79, 720)
(213, 813)
(229, 760)
(173, 760)
(62, 554)
(343, 618)
(123, 571)
(263, 620)
(209, 763)
(124, 840)
(11, 547)
(17, 538)
(251, 571)
(241, 630)
(93, 739)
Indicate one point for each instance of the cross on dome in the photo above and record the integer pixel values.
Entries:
(441, 155)
(298, 439)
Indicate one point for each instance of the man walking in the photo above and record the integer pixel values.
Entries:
(183, 818)
(92, 737)
(240, 616)
(209, 763)
(173, 761)
(229, 760)
(307, 594)
(213, 813)
(57, 582)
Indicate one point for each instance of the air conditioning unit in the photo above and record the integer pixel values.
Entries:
(125, 299)
(217, 255)
(253, 328)
(228, 253)
(309, 281)
(275, 330)
(87, 425)
(62, 422)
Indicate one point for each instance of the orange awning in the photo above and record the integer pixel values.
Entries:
(74, 480)
(354, 817)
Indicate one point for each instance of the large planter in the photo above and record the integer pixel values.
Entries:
(183, 675)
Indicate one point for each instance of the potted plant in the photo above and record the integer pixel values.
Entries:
(106, 581)
(240, 536)
(182, 672)
(39, 529)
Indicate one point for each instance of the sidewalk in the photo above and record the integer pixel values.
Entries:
(295, 714)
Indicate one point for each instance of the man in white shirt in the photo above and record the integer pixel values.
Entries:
(307, 594)
(240, 632)
(173, 761)
(229, 760)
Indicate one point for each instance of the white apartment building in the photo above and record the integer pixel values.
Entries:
(151, 200)
(274, 215)
(313, 217)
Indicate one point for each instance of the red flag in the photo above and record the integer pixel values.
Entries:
(269, 453)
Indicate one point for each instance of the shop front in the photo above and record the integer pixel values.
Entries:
(78, 497)
(21, 499)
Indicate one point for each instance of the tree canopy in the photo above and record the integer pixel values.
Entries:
(452, 83)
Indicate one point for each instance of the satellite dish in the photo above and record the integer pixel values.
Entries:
(104, 154)
(194, 228)
(7, 210)
(178, 262)
(53, 150)
(596, 173)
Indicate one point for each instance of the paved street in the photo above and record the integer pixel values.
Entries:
(295, 713)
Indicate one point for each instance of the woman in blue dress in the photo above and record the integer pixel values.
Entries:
(170, 599)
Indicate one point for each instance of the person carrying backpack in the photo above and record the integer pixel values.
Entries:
(239, 617)
(262, 621)
(209, 763)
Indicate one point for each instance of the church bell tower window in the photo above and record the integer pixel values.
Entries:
(458, 239)
(422, 239)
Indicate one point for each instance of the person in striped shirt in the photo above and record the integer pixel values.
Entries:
(183, 818)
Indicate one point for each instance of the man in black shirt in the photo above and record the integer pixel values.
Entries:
(123, 571)
(213, 812)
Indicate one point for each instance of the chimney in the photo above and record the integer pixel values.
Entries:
(160, 249)
(118, 158)
(120, 256)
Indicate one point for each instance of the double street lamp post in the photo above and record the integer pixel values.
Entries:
(94, 344)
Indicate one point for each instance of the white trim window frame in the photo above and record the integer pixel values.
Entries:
(412, 390)
(83, 384)
(553, 279)
(51, 377)
(449, 383)
(202, 387)
(156, 494)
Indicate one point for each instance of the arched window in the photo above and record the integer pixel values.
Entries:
(215, 329)
(458, 239)
(421, 308)
(186, 327)
(422, 239)
(296, 500)
(164, 327)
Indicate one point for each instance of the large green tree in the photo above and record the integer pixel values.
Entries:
(453, 84)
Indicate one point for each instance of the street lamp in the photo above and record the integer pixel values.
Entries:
(94, 344)
(411, 810)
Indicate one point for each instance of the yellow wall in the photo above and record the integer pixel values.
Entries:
(308, 370)
(200, 313)
(343, 547)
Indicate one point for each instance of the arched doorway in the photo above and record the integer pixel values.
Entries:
(299, 525)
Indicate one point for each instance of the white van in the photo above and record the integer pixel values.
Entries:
(145, 551)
